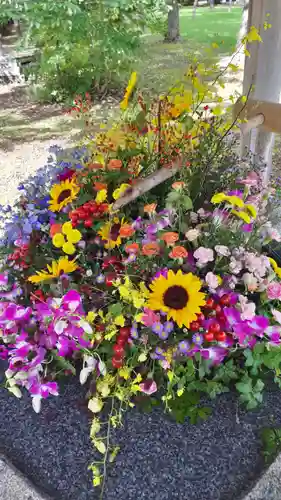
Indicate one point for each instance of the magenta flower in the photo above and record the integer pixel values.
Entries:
(215, 354)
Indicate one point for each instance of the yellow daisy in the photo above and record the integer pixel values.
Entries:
(178, 295)
(110, 233)
(62, 194)
(55, 270)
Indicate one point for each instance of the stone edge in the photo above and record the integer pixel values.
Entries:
(12, 481)
(268, 486)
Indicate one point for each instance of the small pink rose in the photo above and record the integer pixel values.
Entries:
(274, 291)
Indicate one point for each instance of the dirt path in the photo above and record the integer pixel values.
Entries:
(28, 129)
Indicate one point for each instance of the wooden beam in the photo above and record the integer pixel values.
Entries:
(271, 112)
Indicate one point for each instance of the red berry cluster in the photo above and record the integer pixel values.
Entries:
(213, 310)
(87, 213)
(119, 347)
(19, 256)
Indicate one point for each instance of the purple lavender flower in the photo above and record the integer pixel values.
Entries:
(157, 328)
(184, 347)
(134, 331)
(168, 326)
(197, 339)
(163, 335)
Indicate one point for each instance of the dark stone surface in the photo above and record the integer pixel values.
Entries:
(159, 459)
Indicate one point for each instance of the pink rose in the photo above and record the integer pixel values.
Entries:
(274, 291)
(148, 387)
(203, 255)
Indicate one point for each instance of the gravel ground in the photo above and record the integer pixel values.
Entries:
(218, 459)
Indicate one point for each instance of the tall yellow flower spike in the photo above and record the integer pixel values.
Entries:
(131, 85)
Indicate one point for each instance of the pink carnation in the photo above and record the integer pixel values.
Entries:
(203, 255)
(274, 291)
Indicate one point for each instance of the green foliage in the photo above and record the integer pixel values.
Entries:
(250, 391)
(84, 44)
(188, 405)
(271, 440)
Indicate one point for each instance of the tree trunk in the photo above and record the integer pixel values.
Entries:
(244, 24)
(263, 70)
(173, 33)
(195, 5)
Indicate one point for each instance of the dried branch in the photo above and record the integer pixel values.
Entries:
(147, 184)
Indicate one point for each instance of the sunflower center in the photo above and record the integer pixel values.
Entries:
(114, 231)
(176, 297)
(63, 195)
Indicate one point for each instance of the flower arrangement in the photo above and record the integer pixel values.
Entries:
(113, 266)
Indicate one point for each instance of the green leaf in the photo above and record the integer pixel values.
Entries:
(244, 388)
(115, 309)
(187, 202)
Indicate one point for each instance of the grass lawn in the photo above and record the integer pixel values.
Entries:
(163, 63)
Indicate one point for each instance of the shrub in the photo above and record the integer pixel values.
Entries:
(84, 44)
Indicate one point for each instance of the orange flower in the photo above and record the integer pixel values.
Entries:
(149, 209)
(95, 166)
(126, 231)
(150, 248)
(178, 253)
(178, 185)
(54, 229)
(170, 238)
(99, 186)
(114, 164)
(132, 248)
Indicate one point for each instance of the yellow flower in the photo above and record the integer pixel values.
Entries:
(129, 90)
(242, 215)
(109, 232)
(55, 270)
(218, 198)
(232, 200)
(67, 238)
(275, 267)
(119, 320)
(178, 295)
(252, 210)
(101, 196)
(62, 194)
(120, 191)
(235, 200)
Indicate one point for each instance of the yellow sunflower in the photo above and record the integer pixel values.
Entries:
(178, 295)
(55, 270)
(62, 194)
(110, 233)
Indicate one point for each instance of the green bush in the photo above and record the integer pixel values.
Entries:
(85, 44)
